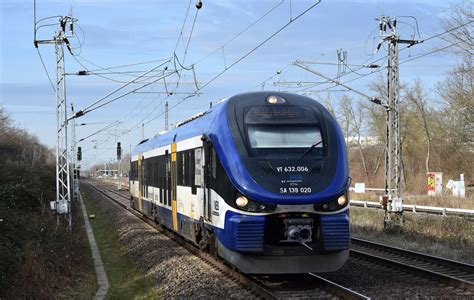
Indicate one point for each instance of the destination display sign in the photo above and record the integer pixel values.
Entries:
(278, 114)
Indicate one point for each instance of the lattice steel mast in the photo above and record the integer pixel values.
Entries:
(62, 204)
(393, 199)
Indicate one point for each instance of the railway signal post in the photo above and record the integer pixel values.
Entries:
(119, 165)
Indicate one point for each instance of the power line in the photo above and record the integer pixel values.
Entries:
(241, 32)
(259, 45)
(384, 57)
(182, 27)
(124, 66)
(89, 107)
(46, 70)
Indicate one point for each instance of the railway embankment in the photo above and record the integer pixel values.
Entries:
(40, 258)
(125, 278)
(175, 272)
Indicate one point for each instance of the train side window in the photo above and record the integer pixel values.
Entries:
(198, 166)
(213, 163)
(221, 182)
(168, 180)
(190, 169)
(179, 168)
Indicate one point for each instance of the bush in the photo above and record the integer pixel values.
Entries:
(40, 258)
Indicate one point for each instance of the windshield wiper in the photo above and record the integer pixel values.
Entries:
(311, 148)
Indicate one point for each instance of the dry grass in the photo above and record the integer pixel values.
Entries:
(440, 201)
(450, 237)
(126, 280)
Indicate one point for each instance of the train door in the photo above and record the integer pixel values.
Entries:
(143, 182)
(174, 206)
(209, 160)
(140, 181)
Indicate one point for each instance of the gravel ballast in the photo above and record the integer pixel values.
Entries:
(177, 272)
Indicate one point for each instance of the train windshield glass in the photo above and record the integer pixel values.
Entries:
(282, 130)
(283, 137)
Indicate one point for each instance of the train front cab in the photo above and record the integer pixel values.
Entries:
(258, 243)
(273, 133)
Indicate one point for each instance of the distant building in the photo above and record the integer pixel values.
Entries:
(364, 141)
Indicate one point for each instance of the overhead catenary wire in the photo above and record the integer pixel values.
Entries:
(124, 66)
(100, 130)
(401, 62)
(241, 32)
(182, 26)
(90, 106)
(351, 72)
(46, 70)
(385, 56)
(259, 45)
(243, 56)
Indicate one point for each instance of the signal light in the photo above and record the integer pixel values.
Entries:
(79, 153)
(119, 151)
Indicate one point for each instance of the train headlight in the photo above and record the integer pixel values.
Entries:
(274, 99)
(334, 205)
(241, 201)
(342, 200)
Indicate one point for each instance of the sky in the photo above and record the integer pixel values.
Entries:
(152, 34)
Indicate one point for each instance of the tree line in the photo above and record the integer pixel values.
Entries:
(437, 131)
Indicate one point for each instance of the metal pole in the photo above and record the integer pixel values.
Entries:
(75, 185)
(119, 173)
(393, 202)
(63, 195)
(166, 116)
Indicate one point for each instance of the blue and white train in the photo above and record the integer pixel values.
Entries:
(261, 179)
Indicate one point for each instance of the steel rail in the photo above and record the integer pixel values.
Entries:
(250, 282)
(444, 270)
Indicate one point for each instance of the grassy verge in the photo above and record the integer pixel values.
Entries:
(449, 237)
(126, 281)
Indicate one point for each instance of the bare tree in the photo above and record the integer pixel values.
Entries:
(358, 117)
(457, 91)
(415, 96)
(462, 37)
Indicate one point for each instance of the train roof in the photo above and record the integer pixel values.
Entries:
(198, 124)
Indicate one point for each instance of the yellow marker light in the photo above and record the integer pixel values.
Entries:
(241, 201)
(341, 200)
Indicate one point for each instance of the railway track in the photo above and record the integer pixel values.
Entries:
(447, 271)
(307, 286)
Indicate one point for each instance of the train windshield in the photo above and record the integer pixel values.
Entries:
(282, 130)
(283, 137)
